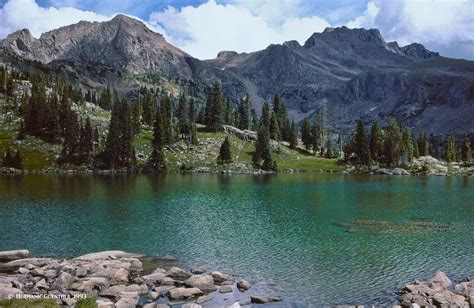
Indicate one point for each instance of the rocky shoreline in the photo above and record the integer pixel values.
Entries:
(438, 291)
(121, 279)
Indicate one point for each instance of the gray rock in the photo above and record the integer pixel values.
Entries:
(163, 290)
(113, 291)
(219, 277)
(203, 299)
(127, 302)
(197, 270)
(107, 255)
(449, 298)
(153, 278)
(203, 282)
(177, 273)
(162, 306)
(42, 285)
(11, 255)
(37, 262)
(168, 281)
(191, 305)
(140, 289)
(440, 278)
(121, 276)
(243, 285)
(150, 305)
(184, 293)
(225, 289)
(465, 288)
(63, 281)
(6, 292)
(101, 303)
(81, 272)
(23, 270)
(262, 299)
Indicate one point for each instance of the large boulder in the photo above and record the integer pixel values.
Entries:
(184, 293)
(11, 255)
(107, 255)
(440, 279)
(204, 283)
(449, 298)
(465, 288)
(29, 261)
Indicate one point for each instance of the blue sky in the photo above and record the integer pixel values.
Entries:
(204, 27)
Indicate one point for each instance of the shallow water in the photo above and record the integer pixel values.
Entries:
(314, 238)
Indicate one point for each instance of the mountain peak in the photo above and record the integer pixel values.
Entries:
(121, 18)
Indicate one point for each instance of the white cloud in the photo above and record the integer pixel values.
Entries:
(205, 30)
(19, 14)
(445, 25)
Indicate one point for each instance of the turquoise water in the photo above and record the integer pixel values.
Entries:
(314, 238)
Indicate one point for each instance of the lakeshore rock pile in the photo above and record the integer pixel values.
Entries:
(115, 279)
(438, 291)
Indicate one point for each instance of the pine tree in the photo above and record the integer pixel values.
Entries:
(255, 121)
(182, 114)
(192, 123)
(316, 136)
(278, 112)
(119, 152)
(423, 146)
(228, 112)
(244, 112)
(392, 143)
(265, 119)
(274, 128)
(361, 144)
(407, 145)
(376, 141)
(225, 154)
(136, 118)
(86, 141)
(306, 136)
(215, 109)
(157, 162)
(71, 139)
(293, 135)
(416, 151)
(167, 117)
(105, 100)
(466, 150)
(450, 150)
(262, 157)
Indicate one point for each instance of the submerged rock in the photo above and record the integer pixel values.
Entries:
(243, 285)
(262, 299)
(13, 255)
(184, 293)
